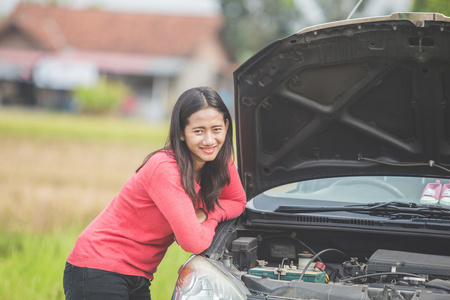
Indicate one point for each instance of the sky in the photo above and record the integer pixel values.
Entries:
(206, 7)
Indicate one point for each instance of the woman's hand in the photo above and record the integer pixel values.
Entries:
(201, 215)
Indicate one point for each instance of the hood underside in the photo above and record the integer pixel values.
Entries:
(359, 97)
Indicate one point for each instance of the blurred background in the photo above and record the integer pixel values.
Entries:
(86, 90)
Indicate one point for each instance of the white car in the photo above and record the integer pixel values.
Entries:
(343, 148)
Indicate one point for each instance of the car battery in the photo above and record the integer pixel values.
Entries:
(243, 250)
(289, 274)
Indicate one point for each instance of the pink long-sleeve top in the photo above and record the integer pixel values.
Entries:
(132, 234)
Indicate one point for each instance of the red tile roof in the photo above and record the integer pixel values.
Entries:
(57, 28)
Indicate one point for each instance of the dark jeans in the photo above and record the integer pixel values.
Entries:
(93, 284)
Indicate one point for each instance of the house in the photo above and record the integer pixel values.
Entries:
(46, 51)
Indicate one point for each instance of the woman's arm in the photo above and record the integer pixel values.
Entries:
(165, 189)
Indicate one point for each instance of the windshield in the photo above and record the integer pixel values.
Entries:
(356, 190)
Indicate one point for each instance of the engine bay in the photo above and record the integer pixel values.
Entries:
(323, 265)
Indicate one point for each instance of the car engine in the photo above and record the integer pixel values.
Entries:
(279, 265)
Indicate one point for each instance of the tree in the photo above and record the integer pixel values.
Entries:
(103, 98)
(339, 9)
(252, 24)
(440, 6)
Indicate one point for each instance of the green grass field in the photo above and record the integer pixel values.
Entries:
(57, 172)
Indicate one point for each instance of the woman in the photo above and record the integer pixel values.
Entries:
(179, 193)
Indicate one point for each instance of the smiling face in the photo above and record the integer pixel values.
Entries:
(204, 135)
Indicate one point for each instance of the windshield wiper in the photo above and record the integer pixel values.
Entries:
(354, 207)
(393, 207)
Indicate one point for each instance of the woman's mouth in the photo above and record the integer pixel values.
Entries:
(208, 150)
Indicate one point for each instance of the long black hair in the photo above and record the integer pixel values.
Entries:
(214, 174)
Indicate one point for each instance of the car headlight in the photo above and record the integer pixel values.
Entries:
(200, 279)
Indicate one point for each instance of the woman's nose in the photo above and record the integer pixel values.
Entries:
(208, 138)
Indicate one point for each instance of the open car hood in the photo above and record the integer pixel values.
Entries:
(357, 97)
